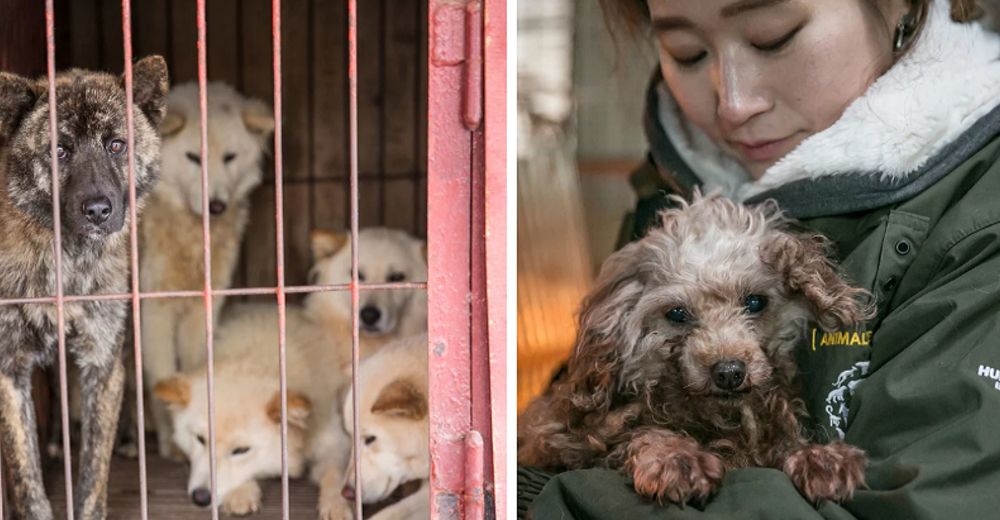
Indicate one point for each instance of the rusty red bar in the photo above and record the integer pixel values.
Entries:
(475, 504)
(448, 239)
(352, 77)
(207, 248)
(245, 291)
(279, 223)
(134, 257)
(50, 39)
(495, 200)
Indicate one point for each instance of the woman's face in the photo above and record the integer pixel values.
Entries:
(759, 76)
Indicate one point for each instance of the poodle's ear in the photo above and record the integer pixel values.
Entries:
(803, 261)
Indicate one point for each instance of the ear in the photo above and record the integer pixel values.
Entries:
(172, 124)
(175, 392)
(258, 117)
(324, 243)
(17, 96)
(298, 408)
(402, 399)
(150, 83)
(803, 261)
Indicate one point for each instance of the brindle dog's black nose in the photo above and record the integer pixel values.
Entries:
(216, 207)
(729, 375)
(370, 315)
(201, 497)
(97, 209)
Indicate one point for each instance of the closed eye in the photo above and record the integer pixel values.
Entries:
(228, 158)
(201, 440)
(240, 450)
(193, 158)
(776, 45)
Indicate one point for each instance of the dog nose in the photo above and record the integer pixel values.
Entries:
(370, 315)
(347, 492)
(201, 497)
(97, 209)
(216, 207)
(729, 374)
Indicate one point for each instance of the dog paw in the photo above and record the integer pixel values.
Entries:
(337, 510)
(243, 500)
(128, 450)
(827, 471)
(673, 468)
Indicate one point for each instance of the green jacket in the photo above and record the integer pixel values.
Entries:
(918, 388)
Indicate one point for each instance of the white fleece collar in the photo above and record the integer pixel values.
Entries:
(944, 84)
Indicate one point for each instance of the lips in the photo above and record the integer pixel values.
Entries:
(765, 150)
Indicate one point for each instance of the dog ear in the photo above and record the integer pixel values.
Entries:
(258, 117)
(803, 261)
(298, 408)
(150, 82)
(402, 399)
(175, 392)
(17, 96)
(324, 243)
(172, 124)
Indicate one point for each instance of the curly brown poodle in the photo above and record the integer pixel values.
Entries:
(683, 367)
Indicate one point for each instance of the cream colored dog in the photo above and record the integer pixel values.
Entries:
(394, 435)
(171, 228)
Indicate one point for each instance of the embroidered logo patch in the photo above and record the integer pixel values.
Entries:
(990, 373)
(840, 338)
(843, 389)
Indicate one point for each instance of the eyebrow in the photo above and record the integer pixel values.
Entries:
(669, 23)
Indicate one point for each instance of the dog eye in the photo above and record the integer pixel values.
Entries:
(228, 158)
(361, 276)
(678, 315)
(369, 439)
(61, 152)
(116, 146)
(201, 439)
(241, 450)
(397, 277)
(755, 303)
(193, 158)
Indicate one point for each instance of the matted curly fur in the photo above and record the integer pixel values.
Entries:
(683, 366)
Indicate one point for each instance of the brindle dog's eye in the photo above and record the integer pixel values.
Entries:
(397, 277)
(678, 315)
(228, 158)
(116, 147)
(755, 303)
(61, 152)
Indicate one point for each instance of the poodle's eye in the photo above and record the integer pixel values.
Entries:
(228, 158)
(678, 315)
(241, 450)
(397, 277)
(201, 439)
(193, 157)
(369, 439)
(755, 303)
(116, 147)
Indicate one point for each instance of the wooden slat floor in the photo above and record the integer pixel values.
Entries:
(167, 488)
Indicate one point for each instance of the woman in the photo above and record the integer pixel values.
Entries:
(876, 123)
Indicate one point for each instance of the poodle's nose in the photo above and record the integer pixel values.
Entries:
(216, 207)
(370, 315)
(97, 209)
(201, 497)
(729, 374)
(347, 492)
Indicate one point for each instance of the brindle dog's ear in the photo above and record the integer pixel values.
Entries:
(17, 96)
(150, 82)
(803, 261)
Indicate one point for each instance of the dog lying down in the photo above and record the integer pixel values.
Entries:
(683, 366)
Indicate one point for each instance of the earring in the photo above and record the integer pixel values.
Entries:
(904, 29)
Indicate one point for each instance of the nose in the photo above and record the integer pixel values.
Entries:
(738, 87)
(347, 492)
(201, 497)
(96, 209)
(216, 207)
(370, 315)
(729, 374)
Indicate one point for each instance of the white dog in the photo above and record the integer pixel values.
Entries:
(173, 330)
(394, 436)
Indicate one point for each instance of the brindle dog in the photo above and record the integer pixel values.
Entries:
(93, 177)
